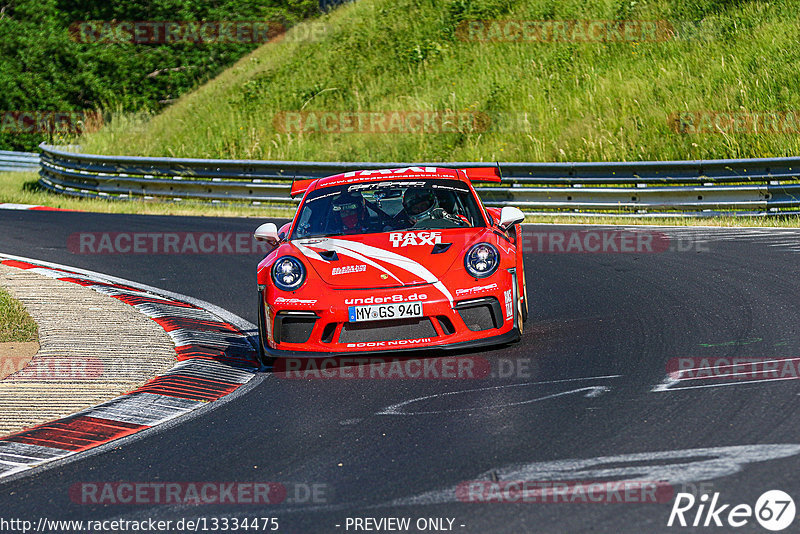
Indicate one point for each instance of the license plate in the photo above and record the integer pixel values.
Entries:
(383, 312)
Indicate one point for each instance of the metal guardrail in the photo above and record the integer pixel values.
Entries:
(18, 161)
(682, 188)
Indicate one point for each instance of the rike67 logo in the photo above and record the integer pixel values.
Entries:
(774, 510)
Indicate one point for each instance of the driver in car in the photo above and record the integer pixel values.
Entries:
(350, 212)
(423, 204)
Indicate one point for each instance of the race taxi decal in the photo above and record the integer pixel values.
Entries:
(509, 304)
(384, 172)
(404, 239)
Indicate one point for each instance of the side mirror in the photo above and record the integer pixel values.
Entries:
(267, 232)
(509, 217)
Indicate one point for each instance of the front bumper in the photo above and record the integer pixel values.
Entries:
(301, 329)
(509, 337)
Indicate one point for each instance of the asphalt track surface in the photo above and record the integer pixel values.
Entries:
(602, 329)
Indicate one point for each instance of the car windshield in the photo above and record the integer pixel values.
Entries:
(387, 206)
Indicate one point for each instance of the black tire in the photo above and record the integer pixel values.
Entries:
(262, 335)
(525, 296)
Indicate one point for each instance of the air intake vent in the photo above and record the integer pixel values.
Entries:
(293, 327)
(327, 333)
(481, 314)
(446, 325)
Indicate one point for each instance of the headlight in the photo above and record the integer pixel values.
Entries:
(481, 260)
(288, 273)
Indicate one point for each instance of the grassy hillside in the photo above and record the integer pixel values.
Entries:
(581, 100)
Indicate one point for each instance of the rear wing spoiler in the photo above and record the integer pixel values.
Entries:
(300, 186)
(474, 174)
(483, 174)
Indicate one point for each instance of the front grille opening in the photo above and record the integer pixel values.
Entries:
(446, 325)
(481, 314)
(293, 328)
(327, 333)
(387, 330)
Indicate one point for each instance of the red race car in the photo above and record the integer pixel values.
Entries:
(391, 260)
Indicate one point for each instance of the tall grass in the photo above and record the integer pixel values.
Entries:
(583, 101)
(22, 188)
(15, 323)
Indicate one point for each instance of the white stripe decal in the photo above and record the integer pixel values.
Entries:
(307, 252)
(346, 252)
(395, 259)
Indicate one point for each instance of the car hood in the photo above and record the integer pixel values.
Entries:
(391, 259)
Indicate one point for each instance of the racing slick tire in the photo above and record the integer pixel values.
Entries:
(264, 359)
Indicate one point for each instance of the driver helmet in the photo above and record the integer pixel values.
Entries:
(419, 203)
(350, 208)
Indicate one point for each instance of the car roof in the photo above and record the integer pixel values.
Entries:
(383, 174)
(402, 173)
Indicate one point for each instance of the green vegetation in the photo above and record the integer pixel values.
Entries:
(44, 68)
(15, 323)
(23, 188)
(584, 101)
(578, 101)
